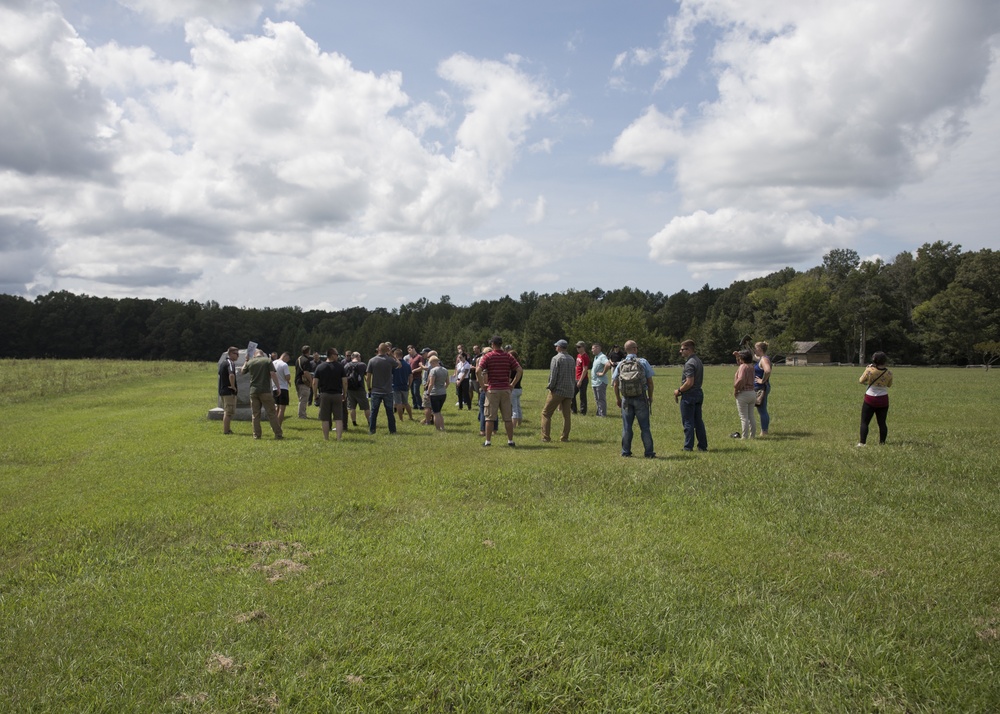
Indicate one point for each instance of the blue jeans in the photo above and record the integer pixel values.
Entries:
(636, 409)
(515, 403)
(482, 410)
(386, 400)
(765, 418)
(694, 425)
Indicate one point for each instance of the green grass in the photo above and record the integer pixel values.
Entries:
(151, 564)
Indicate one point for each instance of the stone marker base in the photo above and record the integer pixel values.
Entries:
(242, 414)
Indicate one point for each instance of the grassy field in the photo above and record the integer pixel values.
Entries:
(151, 564)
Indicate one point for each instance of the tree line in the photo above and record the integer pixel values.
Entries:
(938, 306)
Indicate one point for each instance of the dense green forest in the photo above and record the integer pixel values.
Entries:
(940, 306)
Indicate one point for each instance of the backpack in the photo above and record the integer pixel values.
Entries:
(631, 378)
(355, 376)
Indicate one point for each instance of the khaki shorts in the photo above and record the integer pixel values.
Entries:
(331, 407)
(229, 404)
(498, 401)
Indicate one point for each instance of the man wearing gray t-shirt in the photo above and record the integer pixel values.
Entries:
(378, 379)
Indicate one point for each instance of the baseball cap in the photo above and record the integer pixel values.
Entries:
(562, 343)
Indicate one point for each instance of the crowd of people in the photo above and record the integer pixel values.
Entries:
(400, 384)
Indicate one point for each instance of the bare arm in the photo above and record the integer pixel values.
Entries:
(687, 385)
(765, 364)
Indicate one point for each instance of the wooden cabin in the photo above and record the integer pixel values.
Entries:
(804, 353)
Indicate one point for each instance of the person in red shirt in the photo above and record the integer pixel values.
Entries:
(494, 372)
(582, 377)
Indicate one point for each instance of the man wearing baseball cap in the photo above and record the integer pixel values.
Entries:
(561, 388)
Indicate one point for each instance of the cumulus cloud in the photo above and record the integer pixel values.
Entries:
(649, 142)
(52, 116)
(734, 239)
(818, 104)
(259, 150)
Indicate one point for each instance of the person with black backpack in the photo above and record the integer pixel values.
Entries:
(356, 395)
(633, 383)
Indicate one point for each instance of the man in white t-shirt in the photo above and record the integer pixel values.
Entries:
(284, 379)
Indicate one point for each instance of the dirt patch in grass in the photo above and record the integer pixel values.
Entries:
(268, 703)
(280, 569)
(218, 662)
(988, 628)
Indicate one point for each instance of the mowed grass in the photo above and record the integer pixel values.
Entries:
(152, 564)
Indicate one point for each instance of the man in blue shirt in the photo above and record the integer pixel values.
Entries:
(599, 378)
(633, 383)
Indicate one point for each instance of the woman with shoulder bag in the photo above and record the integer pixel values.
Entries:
(878, 378)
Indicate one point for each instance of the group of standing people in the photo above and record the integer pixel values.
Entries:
(389, 381)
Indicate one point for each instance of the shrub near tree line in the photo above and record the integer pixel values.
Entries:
(937, 306)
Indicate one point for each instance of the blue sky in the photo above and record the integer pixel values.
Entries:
(328, 154)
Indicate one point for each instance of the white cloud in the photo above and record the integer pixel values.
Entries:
(819, 104)
(649, 142)
(51, 114)
(733, 239)
(262, 156)
(500, 103)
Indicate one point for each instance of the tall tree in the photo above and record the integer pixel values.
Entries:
(934, 269)
(951, 323)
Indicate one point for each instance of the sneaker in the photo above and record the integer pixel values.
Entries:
(860, 445)
(627, 456)
(511, 444)
(735, 435)
(650, 456)
(486, 443)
